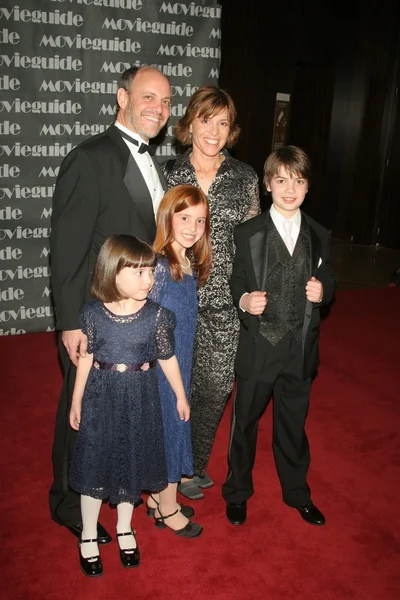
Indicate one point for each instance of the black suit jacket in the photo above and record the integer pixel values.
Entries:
(249, 275)
(99, 192)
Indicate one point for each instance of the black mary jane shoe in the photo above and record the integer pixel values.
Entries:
(103, 536)
(191, 530)
(187, 511)
(91, 566)
(130, 557)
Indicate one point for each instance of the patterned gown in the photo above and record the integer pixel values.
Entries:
(120, 448)
(233, 197)
(181, 298)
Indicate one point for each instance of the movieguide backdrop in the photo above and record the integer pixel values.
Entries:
(60, 61)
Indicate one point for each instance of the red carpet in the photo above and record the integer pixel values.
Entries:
(353, 427)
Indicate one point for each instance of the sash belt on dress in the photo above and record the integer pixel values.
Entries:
(122, 368)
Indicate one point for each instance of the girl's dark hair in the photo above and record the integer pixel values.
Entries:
(117, 252)
(175, 200)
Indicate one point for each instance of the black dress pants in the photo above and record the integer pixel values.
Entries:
(277, 373)
(64, 501)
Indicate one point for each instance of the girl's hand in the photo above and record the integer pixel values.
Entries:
(183, 408)
(75, 416)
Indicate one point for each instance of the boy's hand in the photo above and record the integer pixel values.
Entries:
(75, 416)
(254, 303)
(314, 290)
(183, 408)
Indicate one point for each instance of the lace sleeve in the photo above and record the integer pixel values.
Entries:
(165, 337)
(87, 326)
(167, 168)
(160, 280)
(253, 208)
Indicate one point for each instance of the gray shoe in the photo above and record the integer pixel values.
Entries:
(190, 490)
(203, 482)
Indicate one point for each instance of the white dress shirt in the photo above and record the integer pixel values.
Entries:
(278, 220)
(145, 163)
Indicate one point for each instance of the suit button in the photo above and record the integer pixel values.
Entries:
(255, 338)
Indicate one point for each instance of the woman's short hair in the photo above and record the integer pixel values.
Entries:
(118, 252)
(294, 159)
(206, 102)
(175, 200)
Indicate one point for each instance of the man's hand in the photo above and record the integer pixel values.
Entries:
(75, 342)
(314, 290)
(254, 303)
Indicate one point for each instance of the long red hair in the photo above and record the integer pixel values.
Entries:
(175, 200)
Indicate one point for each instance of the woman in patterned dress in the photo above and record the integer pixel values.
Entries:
(231, 186)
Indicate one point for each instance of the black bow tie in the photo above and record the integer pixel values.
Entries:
(142, 147)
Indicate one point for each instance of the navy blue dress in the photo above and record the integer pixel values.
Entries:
(181, 298)
(120, 442)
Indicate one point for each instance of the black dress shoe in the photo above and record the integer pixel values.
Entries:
(236, 512)
(103, 536)
(311, 514)
(131, 556)
(91, 566)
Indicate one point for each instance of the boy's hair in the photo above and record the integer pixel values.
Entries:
(294, 159)
(117, 252)
(175, 200)
(206, 102)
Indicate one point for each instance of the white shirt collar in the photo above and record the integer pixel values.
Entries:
(136, 136)
(278, 219)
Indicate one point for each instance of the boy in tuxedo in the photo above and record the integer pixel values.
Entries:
(281, 277)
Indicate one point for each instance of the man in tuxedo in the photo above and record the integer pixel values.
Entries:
(281, 276)
(108, 184)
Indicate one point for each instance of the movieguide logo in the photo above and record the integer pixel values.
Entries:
(55, 17)
(172, 8)
(56, 63)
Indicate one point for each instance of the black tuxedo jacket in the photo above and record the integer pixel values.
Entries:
(249, 275)
(99, 192)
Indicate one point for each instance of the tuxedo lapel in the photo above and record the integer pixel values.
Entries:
(315, 253)
(134, 182)
(160, 173)
(140, 194)
(259, 254)
(121, 148)
(315, 250)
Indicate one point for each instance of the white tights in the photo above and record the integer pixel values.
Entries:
(90, 508)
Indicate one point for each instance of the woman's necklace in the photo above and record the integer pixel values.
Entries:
(188, 265)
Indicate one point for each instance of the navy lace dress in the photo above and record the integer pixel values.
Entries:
(181, 298)
(120, 443)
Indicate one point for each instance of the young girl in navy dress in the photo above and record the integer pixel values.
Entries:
(183, 223)
(115, 404)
